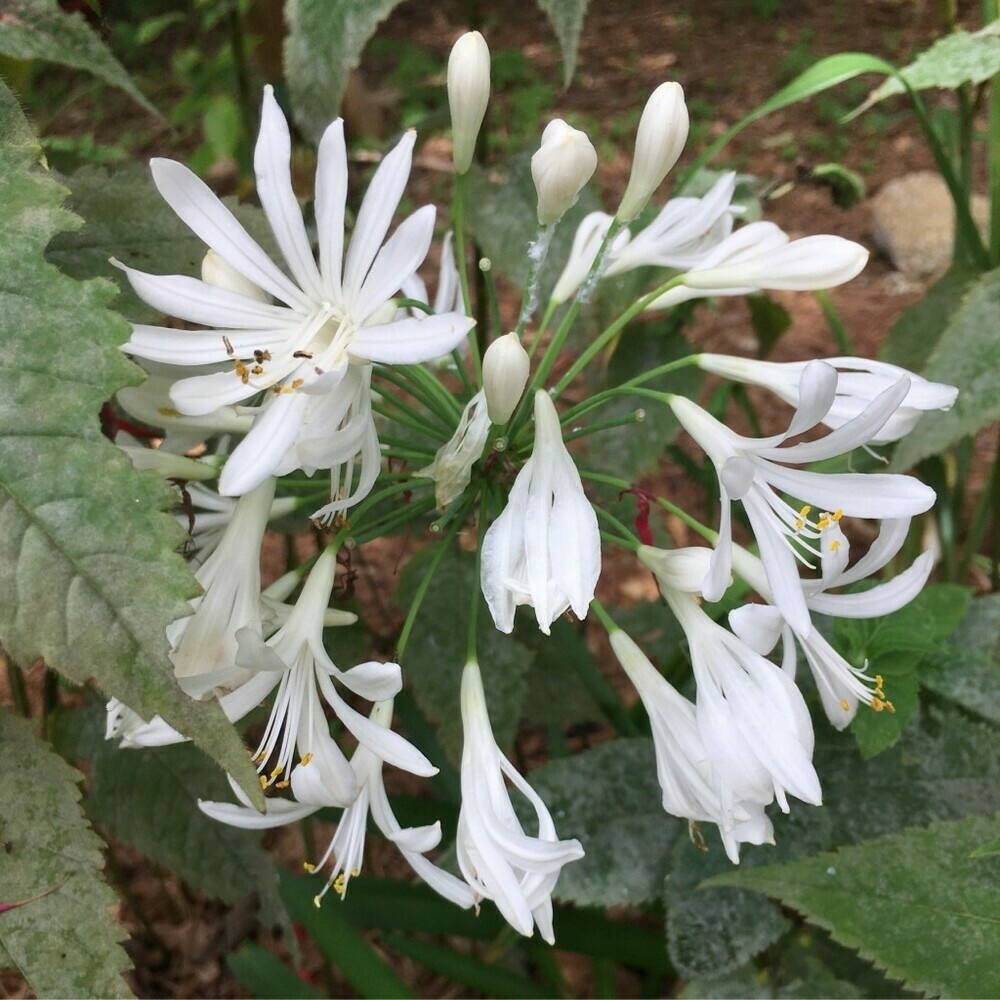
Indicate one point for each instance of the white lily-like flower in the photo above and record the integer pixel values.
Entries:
(348, 843)
(545, 548)
(682, 235)
(325, 318)
(560, 168)
(842, 686)
(760, 256)
(451, 469)
(748, 471)
(859, 383)
(683, 765)
(297, 739)
(752, 720)
(468, 95)
(204, 645)
(498, 859)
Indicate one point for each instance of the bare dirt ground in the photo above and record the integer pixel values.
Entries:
(729, 58)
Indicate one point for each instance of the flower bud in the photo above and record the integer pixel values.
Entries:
(663, 130)
(564, 162)
(505, 373)
(468, 95)
(217, 271)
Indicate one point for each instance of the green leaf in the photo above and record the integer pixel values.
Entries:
(149, 800)
(566, 17)
(846, 186)
(339, 942)
(63, 938)
(964, 356)
(265, 976)
(769, 320)
(38, 29)
(915, 904)
(961, 57)
(89, 576)
(827, 73)
(324, 43)
(126, 218)
(466, 969)
(609, 797)
(968, 671)
(913, 336)
(435, 655)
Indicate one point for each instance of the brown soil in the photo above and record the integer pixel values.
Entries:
(729, 59)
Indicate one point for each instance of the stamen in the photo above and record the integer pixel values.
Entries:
(305, 760)
(308, 867)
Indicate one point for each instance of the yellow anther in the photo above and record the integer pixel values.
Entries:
(263, 781)
(834, 545)
(878, 704)
(799, 524)
(805, 511)
(308, 867)
(340, 886)
(276, 771)
(355, 872)
(318, 901)
(844, 705)
(282, 784)
(824, 522)
(838, 514)
(892, 708)
(305, 760)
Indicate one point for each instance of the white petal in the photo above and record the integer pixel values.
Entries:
(373, 680)
(817, 389)
(575, 546)
(880, 600)
(331, 195)
(197, 302)
(279, 813)
(272, 168)
(259, 453)
(758, 625)
(891, 537)
(200, 347)
(203, 394)
(377, 210)
(418, 839)
(400, 257)
(213, 223)
(412, 340)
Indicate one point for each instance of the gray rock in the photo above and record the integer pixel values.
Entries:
(913, 223)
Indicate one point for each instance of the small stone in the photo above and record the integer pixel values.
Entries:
(913, 223)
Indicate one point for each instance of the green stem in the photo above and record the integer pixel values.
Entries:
(414, 511)
(244, 89)
(550, 310)
(635, 417)
(491, 296)
(537, 253)
(836, 323)
(458, 222)
(470, 645)
(432, 386)
(627, 538)
(444, 414)
(394, 409)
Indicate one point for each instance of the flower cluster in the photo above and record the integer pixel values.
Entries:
(316, 363)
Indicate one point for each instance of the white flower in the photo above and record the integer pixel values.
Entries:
(748, 472)
(560, 167)
(296, 741)
(545, 548)
(760, 256)
(842, 686)
(505, 374)
(498, 859)
(682, 235)
(752, 720)
(451, 469)
(299, 349)
(204, 645)
(682, 763)
(859, 383)
(468, 95)
(347, 846)
(662, 133)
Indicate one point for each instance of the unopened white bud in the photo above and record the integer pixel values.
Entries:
(217, 271)
(505, 374)
(468, 95)
(564, 162)
(663, 130)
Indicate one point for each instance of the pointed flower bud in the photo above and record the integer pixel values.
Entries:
(564, 162)
(505, 374)
(217, 271)
(663, 130)
(468, 95)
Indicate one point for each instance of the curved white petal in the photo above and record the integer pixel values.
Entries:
(411, 340)
(278, 812)
(200, 347)
(880, 600)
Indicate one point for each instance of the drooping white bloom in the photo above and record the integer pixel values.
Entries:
(760, 256)
(346, 849)
(498, 859)
(682, 235)
(752, 720)
(842, 685)
(505, 374)
(682, 763)
(297, 739)
(451, 469)
(468, 95)
(748, 471)
(324, 319)
(204, 645)
(545, 548)
(662, 133)
(560, 167)
(859, 383)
